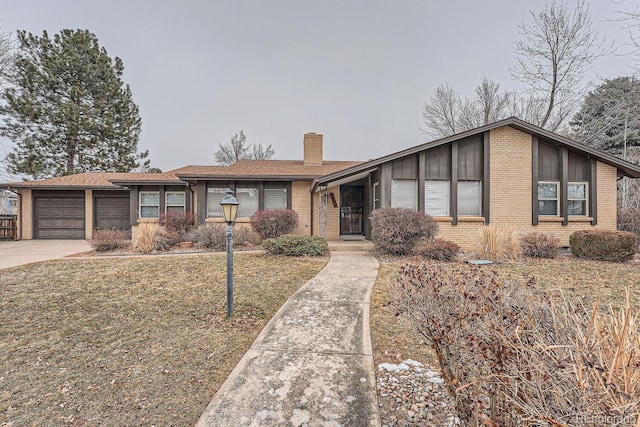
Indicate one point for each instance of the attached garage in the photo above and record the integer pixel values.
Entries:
(111, 210)
(59, 215)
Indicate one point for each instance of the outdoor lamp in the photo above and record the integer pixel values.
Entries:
(229, 211)
(229, 207)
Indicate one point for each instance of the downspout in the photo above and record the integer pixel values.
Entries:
(311, 225)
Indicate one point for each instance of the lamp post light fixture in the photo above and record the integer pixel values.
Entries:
(229, 211)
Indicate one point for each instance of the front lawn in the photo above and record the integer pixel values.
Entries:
(131, 341)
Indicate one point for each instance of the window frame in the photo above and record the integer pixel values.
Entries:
(140, 205)
(376, 196)
(586, 197)
(166, 201)
(557, 199)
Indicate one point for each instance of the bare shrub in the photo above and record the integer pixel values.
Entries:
(144, 241)
(510, 357)
(165, 240)
(439, 250)
(629, 220)
(177, 222)
(498, 243)
(108, 240)
(603, 245)
(539, 245)
(396, 231)
(211, 236)
(274, 223)
(245, 236)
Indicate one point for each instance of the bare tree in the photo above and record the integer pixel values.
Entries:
(237, 149)
(557, 48)
(631, 21)
(6, 59)
(446, 113)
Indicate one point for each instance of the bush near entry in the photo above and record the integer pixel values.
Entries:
(294, 245)
(396, 231)
(270, 224)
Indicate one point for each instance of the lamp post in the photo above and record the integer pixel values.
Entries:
(229, 210)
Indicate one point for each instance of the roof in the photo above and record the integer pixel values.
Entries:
(92, 180)
(263, 169)
(625, 167)
(245, 169)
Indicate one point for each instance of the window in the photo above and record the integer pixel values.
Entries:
(404, 193)
(275, 198)
(376, 195)
(248, 199)
(469, 198)
(436, 198)
(149, 204)
(548, 198)
(214, 197)
(174, 201)
(577, 198)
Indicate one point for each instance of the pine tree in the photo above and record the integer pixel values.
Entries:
(67, 109)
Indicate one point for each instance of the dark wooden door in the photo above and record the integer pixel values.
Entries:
(351, 210)
(59, 217)
(112, 211)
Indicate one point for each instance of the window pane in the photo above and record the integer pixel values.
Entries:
(275, 198)
(248, 199)
(175, 199)
(577, 207)
(469, 198)
(149, 199)
(149, 212)
(577, 191)
(214, 197)
(436, 198)
(547, 207)
(175, 208)
(547, 191)
(404, 193)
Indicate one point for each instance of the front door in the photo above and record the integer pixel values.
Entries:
(351, 209)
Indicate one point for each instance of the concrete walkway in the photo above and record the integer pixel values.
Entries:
(15, 253)
(312, 365)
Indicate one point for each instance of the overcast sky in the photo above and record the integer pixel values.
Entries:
(357, 71)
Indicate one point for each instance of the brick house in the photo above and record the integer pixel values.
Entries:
(506, 172)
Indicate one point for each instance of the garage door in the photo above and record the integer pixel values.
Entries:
(112, 211)
(59, 217)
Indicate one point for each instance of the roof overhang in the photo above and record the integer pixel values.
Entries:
(16, 188)
(336, 179)
(128, 183)
(205, 177)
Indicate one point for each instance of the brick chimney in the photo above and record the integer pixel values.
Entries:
(312, 149)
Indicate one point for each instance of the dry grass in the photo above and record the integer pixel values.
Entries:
(498, 243)
(130, 341)
(146, 234)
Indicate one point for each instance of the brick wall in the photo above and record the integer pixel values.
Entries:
(25, 219)
(88, 214)
(301, 203)
(312, 149)
(333, 215)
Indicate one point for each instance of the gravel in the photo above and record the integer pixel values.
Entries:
(411, 394)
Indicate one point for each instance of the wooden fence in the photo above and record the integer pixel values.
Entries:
(8, 229)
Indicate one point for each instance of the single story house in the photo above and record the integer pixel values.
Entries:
(506, 172)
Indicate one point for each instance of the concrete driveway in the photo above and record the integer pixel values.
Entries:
(14, 253)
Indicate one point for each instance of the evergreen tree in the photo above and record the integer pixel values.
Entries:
(67, 109)
(609, 118)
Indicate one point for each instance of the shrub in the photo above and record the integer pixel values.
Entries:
(629, 220)
(511, 357)
(439, 250)
(498, 243)
(144, 242)
(294, 245)
(396, 231)
(603, 245)
(165, 240)
(177, 222)
(274, 223)
(245, 236)
(209, 236)
(108, 240)
(539, 245)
